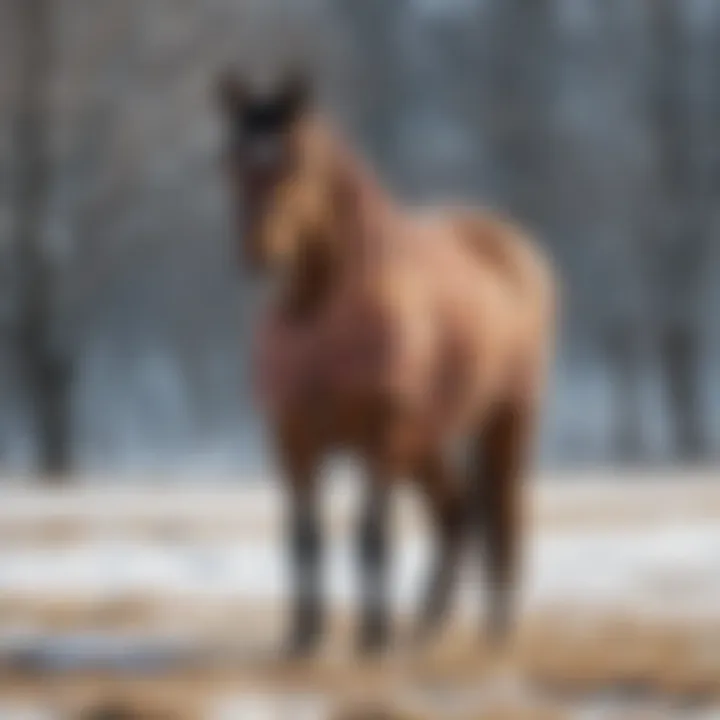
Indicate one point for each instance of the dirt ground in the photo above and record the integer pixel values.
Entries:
(97, 641)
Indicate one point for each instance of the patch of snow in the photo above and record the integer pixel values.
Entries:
(670, 570)
(667, 569)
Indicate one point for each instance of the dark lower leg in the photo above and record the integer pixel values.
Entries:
(373, 556)
(502, 593)
(506, 447)
(449, 511)
(442, 580)
(305, 548)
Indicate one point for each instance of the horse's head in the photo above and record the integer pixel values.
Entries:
(277, 169)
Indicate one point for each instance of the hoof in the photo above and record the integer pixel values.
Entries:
(301, 645)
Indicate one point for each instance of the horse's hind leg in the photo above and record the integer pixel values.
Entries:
(503, 451)
(446, 499)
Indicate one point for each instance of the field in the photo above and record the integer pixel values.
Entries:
(165, 600)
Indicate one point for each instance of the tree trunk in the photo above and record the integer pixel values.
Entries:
(374, 26)
(521, 85)
(681, 237)
(624, 361)
(44, 371)
(679, 355)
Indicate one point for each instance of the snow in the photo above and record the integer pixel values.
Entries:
(644, 547)
(668, 568)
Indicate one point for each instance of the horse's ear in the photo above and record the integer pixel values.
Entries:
(231, 93)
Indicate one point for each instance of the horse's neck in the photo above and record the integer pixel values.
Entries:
(310, 282)
(365, 212)
(351, 241)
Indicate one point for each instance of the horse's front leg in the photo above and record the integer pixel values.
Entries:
(300, 463)
(373, 542)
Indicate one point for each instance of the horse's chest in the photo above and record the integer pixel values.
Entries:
(331, 373)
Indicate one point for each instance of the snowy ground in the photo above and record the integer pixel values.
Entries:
(129, 579)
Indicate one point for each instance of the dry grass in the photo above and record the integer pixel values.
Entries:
(564, 648)
(557, 660)
(560, 660)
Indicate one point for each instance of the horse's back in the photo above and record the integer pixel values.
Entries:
(501, 248)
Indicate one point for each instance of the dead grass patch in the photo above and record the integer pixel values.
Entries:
(560, 659)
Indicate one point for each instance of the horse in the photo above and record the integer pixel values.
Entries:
(398, 335)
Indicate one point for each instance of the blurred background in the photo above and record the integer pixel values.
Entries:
(124, 346)
(122, 313)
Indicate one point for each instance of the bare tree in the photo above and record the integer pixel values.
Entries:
(680, 239)
(374, 28)
(536, 106)
(624, 335)
(520, 87)
(46, 372)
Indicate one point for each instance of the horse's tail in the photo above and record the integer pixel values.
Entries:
(497, 483)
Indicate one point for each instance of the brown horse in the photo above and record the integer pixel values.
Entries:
(395, 335)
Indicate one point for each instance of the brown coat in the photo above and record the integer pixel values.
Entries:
(440, 314)
(396, 334)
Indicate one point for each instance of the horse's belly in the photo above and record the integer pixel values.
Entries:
(341, 380)
(360, 412)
